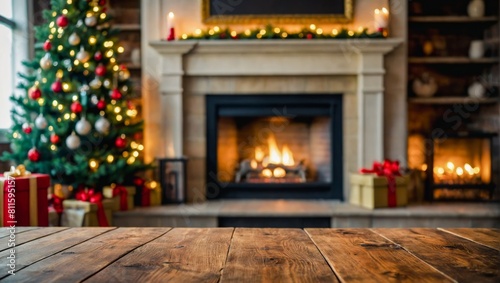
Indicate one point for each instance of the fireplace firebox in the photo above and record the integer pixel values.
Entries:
(460, 167)
(274, 146)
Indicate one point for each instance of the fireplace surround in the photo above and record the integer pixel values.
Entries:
(180, 74)
(308, 126)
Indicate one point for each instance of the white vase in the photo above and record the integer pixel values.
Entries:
(476, 8)
(476, 90)
(476, 49)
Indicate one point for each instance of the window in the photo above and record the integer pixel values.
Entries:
(6, 63)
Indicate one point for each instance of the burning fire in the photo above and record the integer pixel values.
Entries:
(452, 173)
(275, 157)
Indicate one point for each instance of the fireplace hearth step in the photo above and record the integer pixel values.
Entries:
(310, 213)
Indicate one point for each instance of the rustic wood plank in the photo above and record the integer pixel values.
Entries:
(181, 255)
(31, 235)
(4, 232)
(461, 259)
(275, 255)
(373, 257)
(107, 248)
(484, 236)
(34, 251)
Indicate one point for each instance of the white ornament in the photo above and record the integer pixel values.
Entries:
(95, 83)
(41, 122)
(82, 55)
(46, 61)
(476, 90)
(102, 125)
(83, 127)
(43, 139)
(91, 21)
(94, 99)
(107, 83)
(74, 39)
(73, 141)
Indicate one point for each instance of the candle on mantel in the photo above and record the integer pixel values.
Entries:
(170, 27)
(381, 18)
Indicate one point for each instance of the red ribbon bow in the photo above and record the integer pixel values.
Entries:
(57, 203)
(390, 170)
(94, 197)
(123, 193)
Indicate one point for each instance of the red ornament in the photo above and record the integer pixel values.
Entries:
(54, 139)
(101, 105)
(35, 93)
(62, 21)
(100, 70)
(57, 86)
(76, 107)
(34, 155)
(138, 181)
(98, 56)
(120, 142)
(130, 105)
(115, 94)
(223, 35)
(47, 46)
(138, 136)
(102, 2)
(27, 128)
(309, 36)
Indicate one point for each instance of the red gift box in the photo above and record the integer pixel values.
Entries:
(24, 200)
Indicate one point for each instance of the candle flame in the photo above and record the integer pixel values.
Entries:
(377, 11)
(171, 15)
(385, 11)
(450, 165)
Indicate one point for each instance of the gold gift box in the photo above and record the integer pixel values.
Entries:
(90, 209)
(371, 191)
(107, 192)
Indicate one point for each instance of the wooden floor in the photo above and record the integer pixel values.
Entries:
(251, 255)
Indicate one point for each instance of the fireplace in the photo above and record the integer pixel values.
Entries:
(274, 146)
(460, 166)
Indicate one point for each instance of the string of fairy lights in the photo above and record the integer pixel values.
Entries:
(275, 32)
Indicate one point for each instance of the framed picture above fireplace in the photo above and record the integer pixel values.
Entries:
(277, 11)
(274, 146)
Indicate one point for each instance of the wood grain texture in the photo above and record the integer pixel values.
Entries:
(483, 236)
(373, 257)
(275, 255)
(106, 248)
(30, 235)
(34, 251)
(461, 259)
(4, 232)
(181, 255)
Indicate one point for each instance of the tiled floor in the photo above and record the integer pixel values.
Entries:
(207, 214)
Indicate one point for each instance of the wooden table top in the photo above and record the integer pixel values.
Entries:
(251, 255)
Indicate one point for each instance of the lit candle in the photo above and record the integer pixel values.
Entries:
(381, 18)
(170, 27)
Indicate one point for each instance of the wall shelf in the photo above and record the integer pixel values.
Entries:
(452, 60)
(451, 19)
(127, 27)
(452, 100)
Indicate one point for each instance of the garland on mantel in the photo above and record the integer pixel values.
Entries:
(272, 32)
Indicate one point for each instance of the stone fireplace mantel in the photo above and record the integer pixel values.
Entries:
(167, 68)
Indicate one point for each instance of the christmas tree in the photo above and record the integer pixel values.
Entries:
(74, 120)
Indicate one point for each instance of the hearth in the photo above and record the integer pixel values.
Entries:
(274, 146)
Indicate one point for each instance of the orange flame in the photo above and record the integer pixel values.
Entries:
(274, 152)
(287, 157)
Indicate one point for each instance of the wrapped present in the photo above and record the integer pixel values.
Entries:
(149, 194)
(381, 186)
(23, 198)
(122, 196)
(88, 209)
(61, 191)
